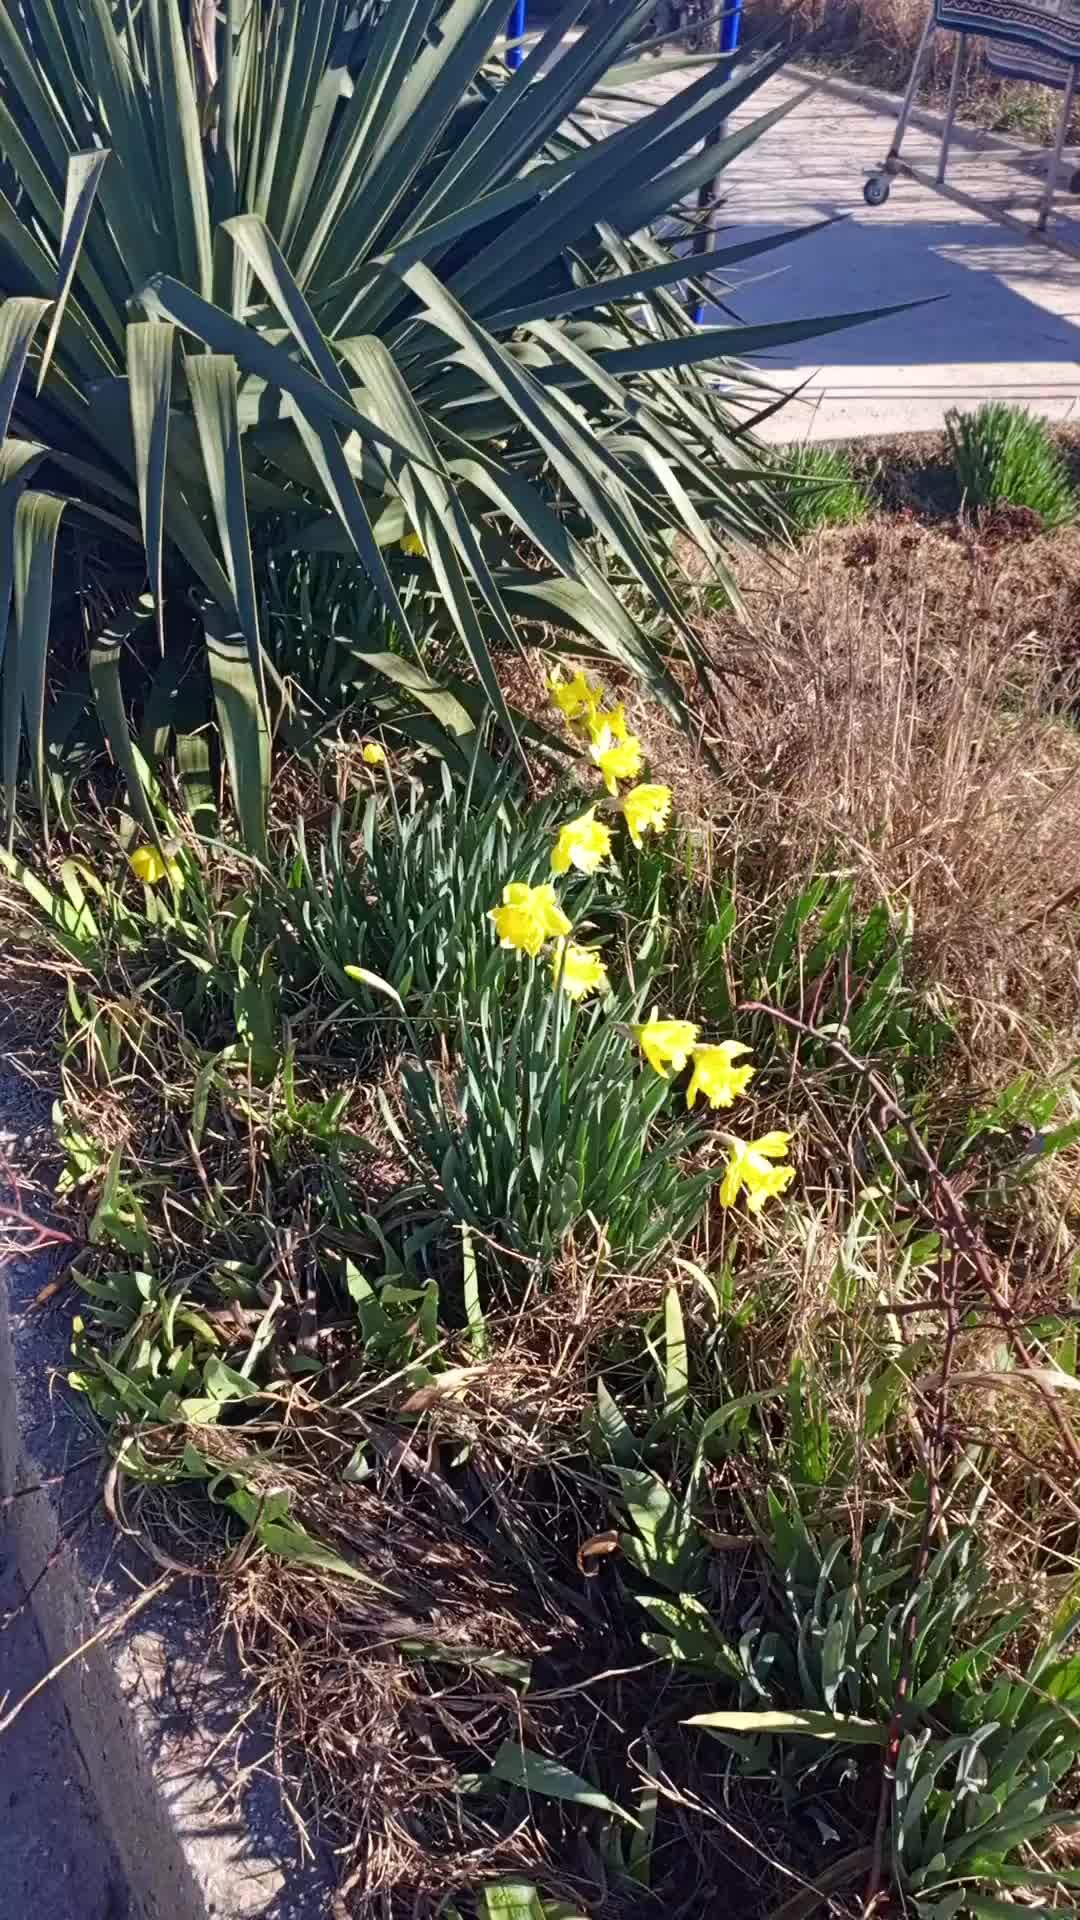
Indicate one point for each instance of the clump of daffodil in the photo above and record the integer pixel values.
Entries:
(716, 1075)
(617, 759)
(582, 843)
(577, 971)
(752, 1169)
(666, 1043)
(412, 543)
(150, 866)
(372, 754)
(527, 917)
(644, 807)
(576, 699)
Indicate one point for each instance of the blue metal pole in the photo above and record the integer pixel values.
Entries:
(516, 29)
(730, 34)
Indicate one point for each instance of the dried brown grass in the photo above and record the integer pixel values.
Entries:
(874, 41)
(902, 703)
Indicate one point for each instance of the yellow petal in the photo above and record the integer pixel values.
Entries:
(617, 759)
(582, 843)
(772, 1145)
(147, 865)
(528, 916)
(576, 698)
(577, 971)
(733, 1178)
(715, 1076)
(665, 1042)
(372, 755)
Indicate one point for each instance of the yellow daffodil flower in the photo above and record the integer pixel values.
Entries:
(716, 1076)
(372, 755)
(613, 723)
(528, 916)
(666, 1043)
(412, 543)
(749, 1168)
(644, 807)
(575, 698)
(577, 971)
(582, 843)
(616, 759)
(148, 865)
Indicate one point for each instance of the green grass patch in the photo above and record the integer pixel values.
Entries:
(1006, 457)
(818, 487)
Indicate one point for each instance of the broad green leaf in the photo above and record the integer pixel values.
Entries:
(179, 118)
(438, 700)
(19, 321)
(843, 1728)
(520, 1767)
(166, 299)
(603, 292)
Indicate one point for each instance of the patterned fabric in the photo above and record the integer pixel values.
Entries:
(1011, 60)
(1047, 27)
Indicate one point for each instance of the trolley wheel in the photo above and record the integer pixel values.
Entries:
(876, 190)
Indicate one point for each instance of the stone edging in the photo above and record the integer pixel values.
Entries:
(151, 1706)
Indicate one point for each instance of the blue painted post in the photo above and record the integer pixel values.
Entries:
(516, 55)
(730, 32)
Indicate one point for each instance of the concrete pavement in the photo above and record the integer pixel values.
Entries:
(1005, 322)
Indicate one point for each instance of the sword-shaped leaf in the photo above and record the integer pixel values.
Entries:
(83, 174)
(150, 363)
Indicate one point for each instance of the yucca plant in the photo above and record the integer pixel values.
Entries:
(310, 274)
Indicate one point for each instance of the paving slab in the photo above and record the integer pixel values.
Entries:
(1003, 313)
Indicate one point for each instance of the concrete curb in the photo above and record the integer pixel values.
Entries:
(150, 1708)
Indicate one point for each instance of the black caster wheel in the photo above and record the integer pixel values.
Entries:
(876, 190)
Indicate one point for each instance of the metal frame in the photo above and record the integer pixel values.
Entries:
(876, 190)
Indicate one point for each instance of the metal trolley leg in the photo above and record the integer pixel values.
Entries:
(876, 190)
(1063, 128)
(950, 111)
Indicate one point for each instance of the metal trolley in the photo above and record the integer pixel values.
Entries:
(1035, 40)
